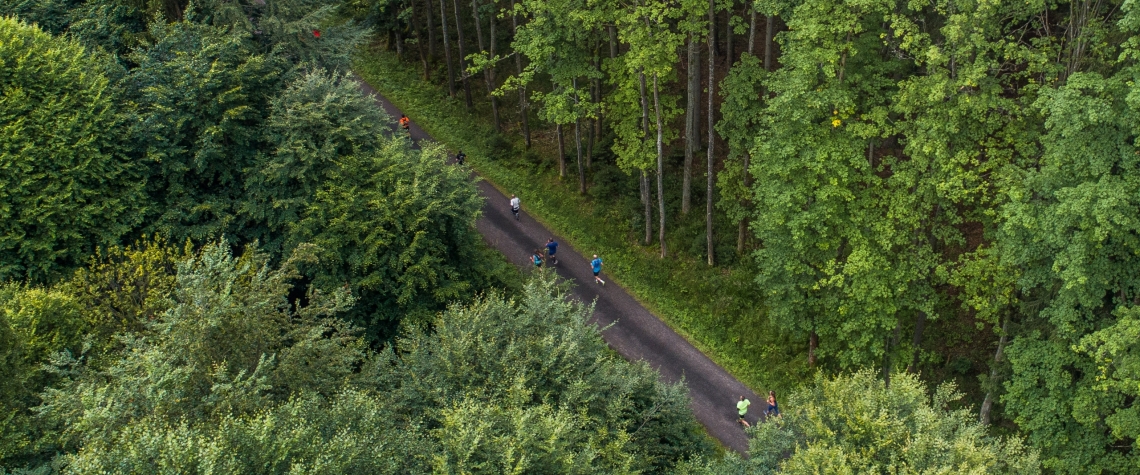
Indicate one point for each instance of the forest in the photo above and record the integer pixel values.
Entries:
(215, 257)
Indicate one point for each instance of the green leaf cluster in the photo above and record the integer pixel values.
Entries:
(65, 185)
(855, 424)
(233, 374)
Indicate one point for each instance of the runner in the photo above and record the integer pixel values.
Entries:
(405, 123)
(773, 406)
(596, 264)
(515, 206)
(460, 157)
(536, 257)
(742, 410)
(551, 249)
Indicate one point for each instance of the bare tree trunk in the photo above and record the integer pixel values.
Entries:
(916, 341)
(488, 72)
(728, 59)
(769, 27)
(578, 141)
(988, 403)
(710, 177)
(887, 364)
(645, 200)
(742, 226)
(462, 56)
(561, 152)
(491, 74)
(813, 343)
(399, 44)
(752, 31)
(447, 49)
(612, 30)
(692, 117)
(522, 88)
(430, 31)
(590, 126)
(660, 168)
(600, 110)
(645, 176)
(420, 42)
(742, 231)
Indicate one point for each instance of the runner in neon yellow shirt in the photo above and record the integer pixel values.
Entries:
(742, 409)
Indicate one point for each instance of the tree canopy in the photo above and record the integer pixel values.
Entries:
(66, 186)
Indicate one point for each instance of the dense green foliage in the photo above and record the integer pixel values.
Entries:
(226, 373)
(854, 424)
(65, 187)
(230, 122)
(949, 188)
(236, 121)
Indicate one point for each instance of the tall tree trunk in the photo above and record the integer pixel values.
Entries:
(598, 108)
(488, 72)
(578, 140)
(491, 73)
(462, 55)
(400, 43)
(522, 88)
(988, 403)
(447, 49)
(887, 364)
(752, 31)
(578, 143)
(561, 152)
(420, 43)
(645, 176)
(728, 50)
(648, 204)
(591, 124)
(710, 177)
(742, 231)
(692, 117)
(916, 341)
(769, 31)
(813, 343)
(742, 226)
(430, 30)
(660, 168)
(612, 30)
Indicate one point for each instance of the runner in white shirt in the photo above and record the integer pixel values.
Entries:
(515, 206)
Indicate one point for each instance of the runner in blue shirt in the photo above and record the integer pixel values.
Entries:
(596, 264)
(551, 249)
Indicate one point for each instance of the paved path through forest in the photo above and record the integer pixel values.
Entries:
(638, 334)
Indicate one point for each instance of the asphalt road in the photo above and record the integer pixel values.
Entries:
(637, 334)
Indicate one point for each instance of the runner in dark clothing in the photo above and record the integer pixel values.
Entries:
(460, 157)
(551, 249)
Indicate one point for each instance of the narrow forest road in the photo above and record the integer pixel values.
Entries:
(637, 334)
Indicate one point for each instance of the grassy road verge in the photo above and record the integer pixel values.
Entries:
(718, 309)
